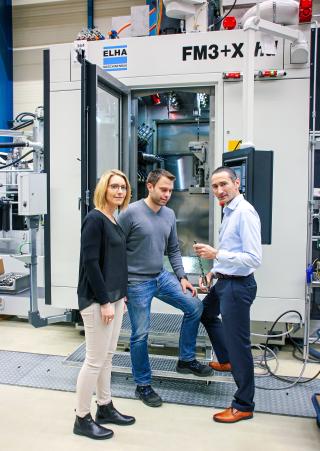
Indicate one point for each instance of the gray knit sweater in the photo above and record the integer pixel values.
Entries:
(150, 236)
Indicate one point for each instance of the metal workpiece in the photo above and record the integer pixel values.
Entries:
(202, 273)
(201, 167)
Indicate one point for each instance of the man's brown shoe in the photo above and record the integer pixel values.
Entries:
(220, 366)
(232, 415)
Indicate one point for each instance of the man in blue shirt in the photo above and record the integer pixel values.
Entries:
(238, 255)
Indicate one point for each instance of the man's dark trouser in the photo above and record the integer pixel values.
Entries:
(231, 338)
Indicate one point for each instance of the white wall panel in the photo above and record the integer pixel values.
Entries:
(282, 126)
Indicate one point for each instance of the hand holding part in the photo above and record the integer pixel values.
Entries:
(205, 251)
(205, 281)
(203, 277)
(107, 312)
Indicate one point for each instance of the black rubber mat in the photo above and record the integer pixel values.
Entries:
(49, 372)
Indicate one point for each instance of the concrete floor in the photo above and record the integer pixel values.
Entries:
(34, 419)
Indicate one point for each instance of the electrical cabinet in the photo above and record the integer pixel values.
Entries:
(254, 168)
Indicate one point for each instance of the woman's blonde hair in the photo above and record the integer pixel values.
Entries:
(100, 198)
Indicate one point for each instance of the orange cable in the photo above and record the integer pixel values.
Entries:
(160, 17)
(128, 24)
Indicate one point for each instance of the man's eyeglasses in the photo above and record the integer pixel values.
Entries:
(115, 187)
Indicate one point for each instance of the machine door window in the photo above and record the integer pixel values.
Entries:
(105, 129)
(108, 130)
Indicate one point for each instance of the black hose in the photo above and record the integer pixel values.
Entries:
(17, 160)
(22, 125)
(22, 115)
(283, 379)
(12, 145)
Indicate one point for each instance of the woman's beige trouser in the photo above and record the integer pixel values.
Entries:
(101, 343)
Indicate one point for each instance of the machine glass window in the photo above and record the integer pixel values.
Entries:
(174, 133)
(108, 131)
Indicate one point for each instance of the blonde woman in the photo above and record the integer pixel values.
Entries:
(102, 291)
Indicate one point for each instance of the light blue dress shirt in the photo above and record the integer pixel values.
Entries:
(240, 250)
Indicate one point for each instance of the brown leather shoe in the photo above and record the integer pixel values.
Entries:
(220, 366)
(232, 415)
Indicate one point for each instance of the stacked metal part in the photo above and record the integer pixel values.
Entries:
(145, 134)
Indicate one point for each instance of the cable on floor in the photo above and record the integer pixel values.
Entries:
(292, 381)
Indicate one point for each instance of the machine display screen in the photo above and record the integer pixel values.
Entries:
(241, 174)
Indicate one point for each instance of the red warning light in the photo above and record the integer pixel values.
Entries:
(229, 23)
(156, 99)
(268, 73)
(232, 75)
(305, 11)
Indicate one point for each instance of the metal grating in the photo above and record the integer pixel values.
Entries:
(49, 372)
(163, 323)
(164, 329)
(161, 366)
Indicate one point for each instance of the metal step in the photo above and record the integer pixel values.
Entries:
(164, 331)
(161, 366)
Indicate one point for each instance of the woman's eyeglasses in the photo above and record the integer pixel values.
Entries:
(115, 187)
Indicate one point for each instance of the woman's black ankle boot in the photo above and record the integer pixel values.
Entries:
(89, 428)
(108, 414)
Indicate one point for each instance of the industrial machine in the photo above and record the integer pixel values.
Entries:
(175, 101)
(19, 158)
(23, 204)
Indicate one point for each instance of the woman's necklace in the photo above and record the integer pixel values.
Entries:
(109, 216)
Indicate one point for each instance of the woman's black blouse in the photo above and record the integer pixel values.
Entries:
(103, 271)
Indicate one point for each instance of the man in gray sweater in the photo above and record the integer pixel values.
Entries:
(150, 229)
